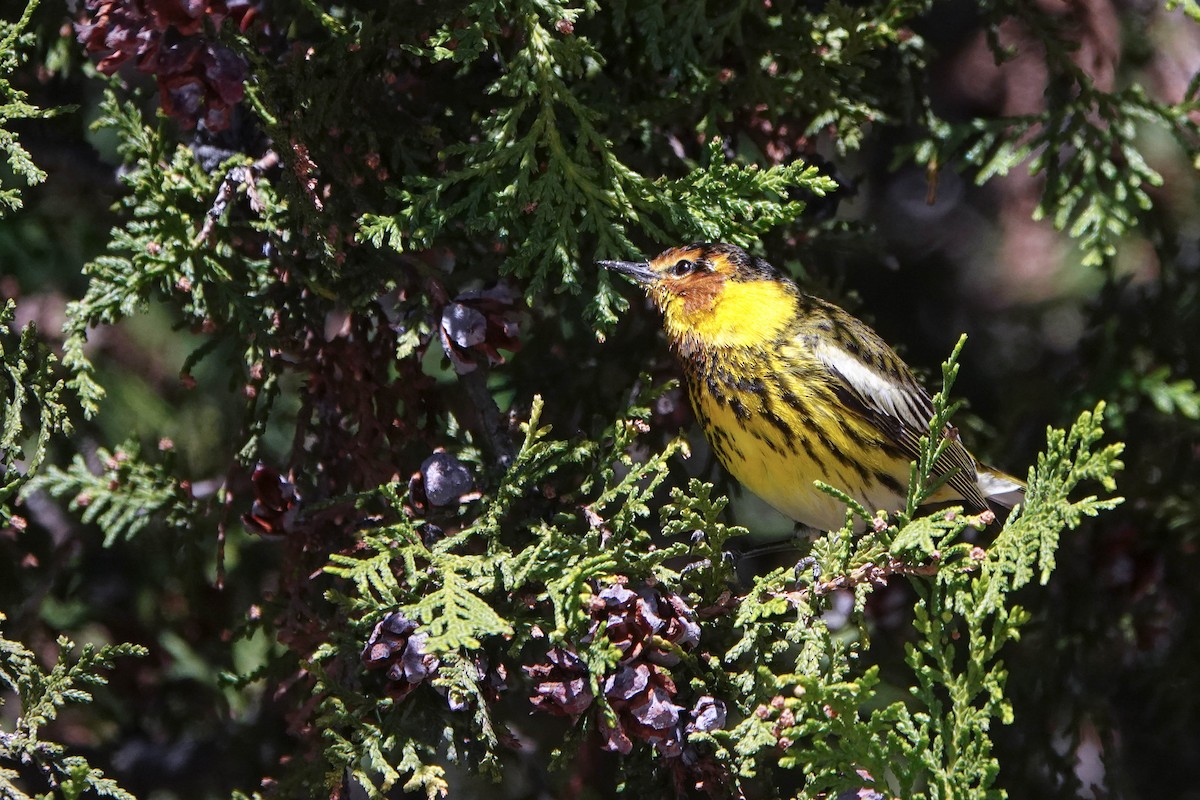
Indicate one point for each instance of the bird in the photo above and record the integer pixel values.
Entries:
(791, 389)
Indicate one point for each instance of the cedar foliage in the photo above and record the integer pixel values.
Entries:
(433, 523)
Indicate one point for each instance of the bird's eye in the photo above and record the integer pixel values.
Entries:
(682, 267)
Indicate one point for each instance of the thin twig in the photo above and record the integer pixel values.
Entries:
(491, 421)
(237, 176)
(875, 574)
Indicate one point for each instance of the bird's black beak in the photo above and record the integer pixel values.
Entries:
(638, 270)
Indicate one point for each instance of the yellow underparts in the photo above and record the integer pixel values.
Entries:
(774, 421)
(821, 442)
(729, 314)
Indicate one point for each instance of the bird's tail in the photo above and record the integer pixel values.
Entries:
(999, 487)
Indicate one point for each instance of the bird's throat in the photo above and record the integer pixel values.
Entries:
(729, 314)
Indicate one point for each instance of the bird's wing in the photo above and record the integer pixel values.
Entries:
(894, 402)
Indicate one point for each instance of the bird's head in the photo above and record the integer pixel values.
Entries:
(713, 294)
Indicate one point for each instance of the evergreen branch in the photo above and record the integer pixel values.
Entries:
(522, 181)
(1085, 143)
(30, 389)
(950, 742)
(870, 573)
(42, 695)
(926, 478)
(730, 202)
(679, 121)
(176, 244)
(536, 458)
(14, 107)
(1029, 539)
(125, 496)
(455, 616)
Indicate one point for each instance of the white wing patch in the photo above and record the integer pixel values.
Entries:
(900, 401)
(906, 403)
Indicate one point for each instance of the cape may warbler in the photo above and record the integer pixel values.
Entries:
(791, 389)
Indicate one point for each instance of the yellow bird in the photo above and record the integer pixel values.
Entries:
(791, 389)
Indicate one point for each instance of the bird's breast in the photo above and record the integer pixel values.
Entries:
(777, 426)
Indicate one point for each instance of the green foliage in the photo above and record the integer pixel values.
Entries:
(938, 744)
(1086, 144)
(921, 487)
(14, 107)
(31, 392)
(179, 245)
(391, 164)
(33, 406)
(533, 572)
(1171, 397)
(541, 176)
(34, 412)
(125, 496)
(41, 695)
(795, 680)
(970, 603)
(1189, 7)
